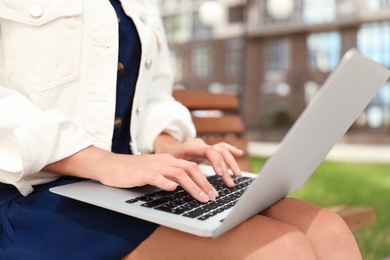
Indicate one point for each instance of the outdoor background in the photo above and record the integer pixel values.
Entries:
(275, 55)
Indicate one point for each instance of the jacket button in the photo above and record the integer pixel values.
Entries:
(144, 17)
(36, 11)
(148, 64)
(117, 122)
(139, 110)
(121, 68)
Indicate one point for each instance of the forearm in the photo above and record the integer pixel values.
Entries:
(126, 171)
(81, 164)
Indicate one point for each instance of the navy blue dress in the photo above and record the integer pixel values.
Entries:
(44, 225)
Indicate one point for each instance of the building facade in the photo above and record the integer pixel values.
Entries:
(276, 59)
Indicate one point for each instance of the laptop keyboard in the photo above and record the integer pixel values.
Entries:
(180, 202)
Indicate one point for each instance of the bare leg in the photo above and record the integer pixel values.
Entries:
(258, 237)
(327, 232)
(290, 229)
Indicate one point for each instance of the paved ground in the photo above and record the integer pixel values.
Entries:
(354, 146)
(340, 152)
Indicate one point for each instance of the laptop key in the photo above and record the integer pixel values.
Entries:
(181, 203)
(154, 203)
(177, 211)
(193, 214)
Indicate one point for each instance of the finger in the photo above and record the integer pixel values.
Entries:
(231, 162)
(190, 177)
(174, 177)
(221, 159)
(216, 160)
(219, 156)
(199, 149)
(158, 180)
(232, 149)
(191, 187)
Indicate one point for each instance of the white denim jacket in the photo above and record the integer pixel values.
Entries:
(58, 69)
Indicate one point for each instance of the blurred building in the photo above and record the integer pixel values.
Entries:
(275, 54)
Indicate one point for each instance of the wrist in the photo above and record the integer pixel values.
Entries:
(164, 143)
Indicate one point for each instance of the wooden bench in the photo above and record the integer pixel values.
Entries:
(356, 217)
(216, 118)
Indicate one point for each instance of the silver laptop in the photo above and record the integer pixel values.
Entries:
(340, 100)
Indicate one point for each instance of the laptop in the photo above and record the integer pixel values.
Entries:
(338, 103)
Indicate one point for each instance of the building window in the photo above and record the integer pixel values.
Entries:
(373, 40)
(315, 12)
(277, 65)
(201, 66)
(377, 113)
(199, 30)
(172, 25)
(234, 58)
(277, 55)
(169, 4)
(324, 51)
(377, 5)
(236, 14)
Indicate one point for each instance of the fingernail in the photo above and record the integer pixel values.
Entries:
(219, 171)
(238, 171)
(215, 192)
(204, 197)
(231, 182)
(212, 195)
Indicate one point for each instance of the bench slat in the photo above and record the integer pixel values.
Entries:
(356, 217)
(202, 100)
(228, 124)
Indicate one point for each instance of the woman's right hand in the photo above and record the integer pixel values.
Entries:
(127, 171)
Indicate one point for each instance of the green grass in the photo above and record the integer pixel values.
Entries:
(353, 184)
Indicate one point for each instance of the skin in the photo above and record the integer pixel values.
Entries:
(290, 229)
(166, 169)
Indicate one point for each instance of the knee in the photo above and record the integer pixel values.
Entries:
(332, 235)
(331, 225)
(278, 240)
(309, 217)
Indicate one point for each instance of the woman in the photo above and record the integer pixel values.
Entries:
(80, 100)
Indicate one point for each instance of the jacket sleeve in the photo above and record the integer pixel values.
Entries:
(30, 139)
(162, 113)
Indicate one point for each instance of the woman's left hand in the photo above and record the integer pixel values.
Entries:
(221, 155)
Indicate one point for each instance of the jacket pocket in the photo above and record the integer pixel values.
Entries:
(42, 41)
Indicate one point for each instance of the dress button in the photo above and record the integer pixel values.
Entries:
(148, 64)
(36, 11)
(117, 122)
(121, 68)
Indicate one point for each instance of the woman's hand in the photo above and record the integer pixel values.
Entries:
(221, 155)
(173, 164)
(126, 171)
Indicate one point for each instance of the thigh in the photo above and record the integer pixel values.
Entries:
(328, 233)
(306, 217)
(297, 213)
(260, 236)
